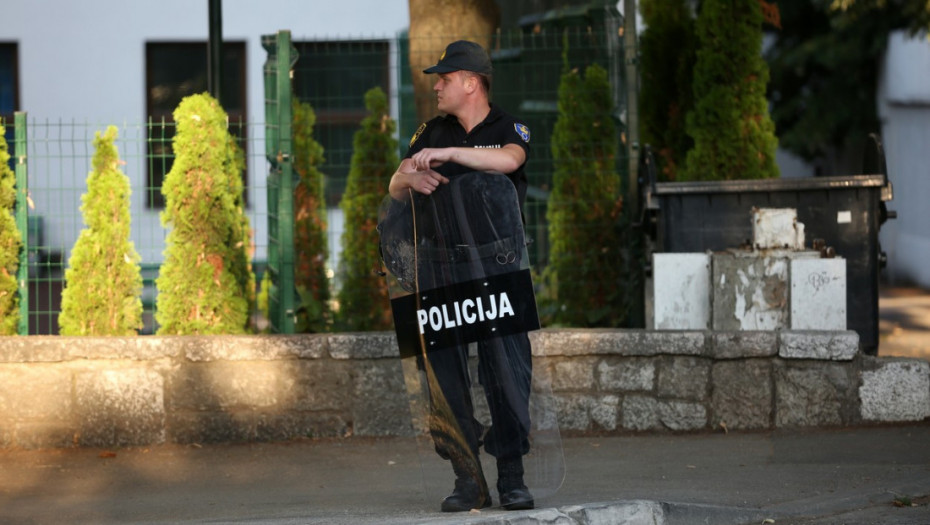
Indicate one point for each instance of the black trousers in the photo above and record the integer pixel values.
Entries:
(505, 373)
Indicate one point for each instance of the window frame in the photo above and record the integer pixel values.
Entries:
(162, 119)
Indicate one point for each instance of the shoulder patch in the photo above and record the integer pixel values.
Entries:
(417, 134)
(523, 131)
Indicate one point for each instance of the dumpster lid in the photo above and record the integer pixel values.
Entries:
(762, 185)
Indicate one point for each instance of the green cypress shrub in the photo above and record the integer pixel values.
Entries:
(206, 284)
(363, 297)
(734, 137)
(313, 314)
(584, 272)
(667, 55)
(103, 282)
(10, 243)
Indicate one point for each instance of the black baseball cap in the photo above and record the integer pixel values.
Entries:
(462, 55)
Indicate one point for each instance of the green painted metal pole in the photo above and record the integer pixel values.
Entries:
(22, 218)
(286, 288)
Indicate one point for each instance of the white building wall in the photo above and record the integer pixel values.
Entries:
(84, 62)
(904, 108)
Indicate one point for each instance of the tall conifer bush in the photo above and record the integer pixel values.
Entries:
(667, 55)
(10, 243)
(734, 137)
(584, 271)
(206, 284)
(363, 297)
(309, 224)
(103, 282)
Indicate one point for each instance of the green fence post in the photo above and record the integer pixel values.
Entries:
(278, 117)
(22, 218)
(286, 287)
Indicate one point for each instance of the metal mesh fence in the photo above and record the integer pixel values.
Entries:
(59, 159)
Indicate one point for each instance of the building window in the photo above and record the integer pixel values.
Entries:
(174, 70)
(9, 89)
(333, 76)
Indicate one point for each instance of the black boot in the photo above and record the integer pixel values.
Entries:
(513, 493)
(471, 490)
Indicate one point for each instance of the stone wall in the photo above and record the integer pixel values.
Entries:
(71, 391)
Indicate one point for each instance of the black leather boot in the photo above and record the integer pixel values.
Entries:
(471, 490)
(513, 493)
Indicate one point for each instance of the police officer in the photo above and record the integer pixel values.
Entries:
(474, 135)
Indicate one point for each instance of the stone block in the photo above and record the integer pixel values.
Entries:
(742, 344)
(895, 390)
(749, 292)
(672, 343)
(210, 427)
(777, 228)
(573, 374)
(635, 512)
(604, 412)
(328, 384)
(290, 425)
(367, 345)
(230, 385)
(684, 378)
(811, 396)
(36, 391)
(41, 434)
(626, 374)
(379, 404)
(742, 394)
(681, 291)
(809, 344)
(574, 411)
(32, 349)
(640, 413)
(252, 347)
(114, 348)
(682, 415)
(818, 294)
(585, 341)
(120, 407)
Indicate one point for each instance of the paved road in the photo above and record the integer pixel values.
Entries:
(850, 475)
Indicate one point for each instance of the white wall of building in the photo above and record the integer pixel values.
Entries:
(904, 109)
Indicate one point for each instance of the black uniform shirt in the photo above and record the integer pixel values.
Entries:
(495, 131)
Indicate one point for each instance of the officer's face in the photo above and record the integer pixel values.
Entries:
(450, 90)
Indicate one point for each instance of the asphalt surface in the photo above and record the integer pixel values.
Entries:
(858, 475)
(848, 475)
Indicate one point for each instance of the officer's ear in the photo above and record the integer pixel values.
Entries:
(470, 81)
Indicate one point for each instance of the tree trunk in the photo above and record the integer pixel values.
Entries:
(434, 24)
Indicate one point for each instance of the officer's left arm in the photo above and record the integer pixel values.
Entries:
(506, 159)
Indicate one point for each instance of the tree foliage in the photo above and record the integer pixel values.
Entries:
(734, 136)
(313, 313)
(583, 275)
(206, 284)
(667, 55)
(103, 282)
(363, 297)
(825, 63)
(10, 243)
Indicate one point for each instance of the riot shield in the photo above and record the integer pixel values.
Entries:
(463, 301)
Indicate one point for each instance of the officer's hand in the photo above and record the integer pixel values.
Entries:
(430, 157)
(426, 181)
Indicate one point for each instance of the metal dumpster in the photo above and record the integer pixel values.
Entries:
(846, 212)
